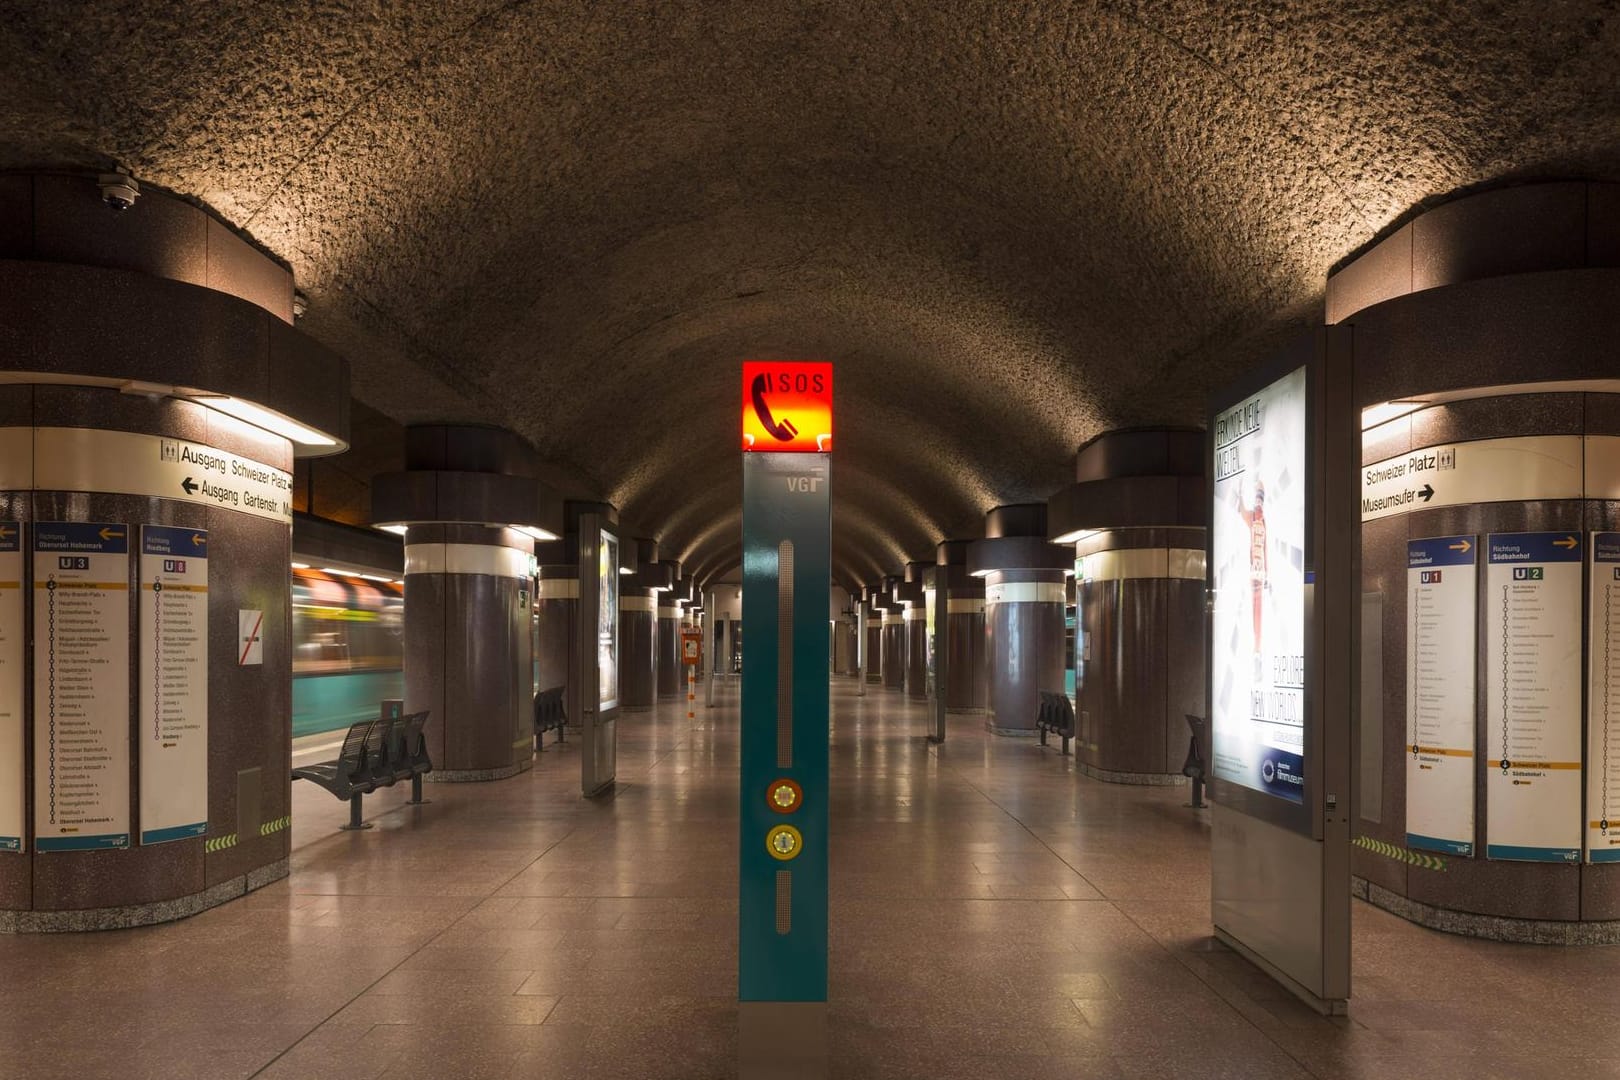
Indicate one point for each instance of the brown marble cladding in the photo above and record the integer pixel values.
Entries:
(638, 645)
(965, 672)
(250, 708)
(1024, 653)
(916, 634)
(1477, 885)
(671, 672)
(467, 659)
(1145, 671)
(894, 656)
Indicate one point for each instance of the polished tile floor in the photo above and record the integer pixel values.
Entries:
(993, 915)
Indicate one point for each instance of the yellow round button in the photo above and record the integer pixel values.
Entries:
(784, 843)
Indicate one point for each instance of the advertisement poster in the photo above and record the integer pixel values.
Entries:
(13, 640)
(1441, 603)
(173, 677)
(607, 620)
(1258, 617)
(81, 686)
(1533, 696)
(1603, 702)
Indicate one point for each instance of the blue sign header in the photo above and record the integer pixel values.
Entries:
(1534, 547)
(168, 540)
(1606, 547)
(88, 537)
(1441, 551)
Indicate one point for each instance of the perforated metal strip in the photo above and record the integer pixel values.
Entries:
(784, 655)
(784, 901)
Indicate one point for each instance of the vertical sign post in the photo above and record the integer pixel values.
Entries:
(1440, 600)
(1603, 702)
(13, 637)
(173, 678)
(598, 658)
(81, 686)
(1533, 696)
(787, 586)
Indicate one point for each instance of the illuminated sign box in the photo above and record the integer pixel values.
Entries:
(787, 406)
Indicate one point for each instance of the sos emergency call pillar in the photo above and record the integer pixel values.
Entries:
(787, 571)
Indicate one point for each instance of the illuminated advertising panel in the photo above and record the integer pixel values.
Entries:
(1257, 574)
(607, 621)
(787, 406)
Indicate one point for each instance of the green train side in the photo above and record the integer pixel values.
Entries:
(348, 648)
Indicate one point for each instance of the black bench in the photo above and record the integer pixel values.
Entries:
(549, 715)
(1057, 717)
(375, 754)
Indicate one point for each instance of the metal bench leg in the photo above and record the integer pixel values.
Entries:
(355, 821)
(1065, 745)
(539, 742)
(1043, 736)
(1197, 793)
(416, 792)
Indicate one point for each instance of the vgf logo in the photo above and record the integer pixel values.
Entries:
(174, 566)
(804, 483)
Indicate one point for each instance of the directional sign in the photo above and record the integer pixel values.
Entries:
(1603, 702)
(173, 678)
(13, 638)
(125, 463)
(1441, 604)
(1488, 470)
(1533, 696)
(81, 686)
(787, 406)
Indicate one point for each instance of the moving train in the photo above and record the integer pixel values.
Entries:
(348, 646)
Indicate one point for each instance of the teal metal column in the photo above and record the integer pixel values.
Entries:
(782, 976)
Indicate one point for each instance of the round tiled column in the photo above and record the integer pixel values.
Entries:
(914, 631)
(965, 667)
(131, 340)
(1490, 317)
(468, 579)
(894, 639)
(1024, 601)
(1136, 515)
(671, 672)
(467, 648)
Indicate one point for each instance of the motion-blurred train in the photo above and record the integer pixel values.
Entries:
(348, 647)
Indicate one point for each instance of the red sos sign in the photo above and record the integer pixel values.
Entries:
(787, 406)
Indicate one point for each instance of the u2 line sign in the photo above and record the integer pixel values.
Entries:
(1492, 470)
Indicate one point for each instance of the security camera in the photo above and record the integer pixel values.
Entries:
(119, 190)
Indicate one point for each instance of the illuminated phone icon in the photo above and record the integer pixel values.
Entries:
(784, 431)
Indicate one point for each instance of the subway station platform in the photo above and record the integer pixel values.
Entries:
(993, 915)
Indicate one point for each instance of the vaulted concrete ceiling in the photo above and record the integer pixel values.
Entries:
(1012, 225)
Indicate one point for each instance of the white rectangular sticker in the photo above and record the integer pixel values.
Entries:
(1441, 580)
(13, 639)
(1603, 702)
(1533, 696)
(1487, 470)
(173, 677)
(122, 462)
(81, 686)
(1257, 539)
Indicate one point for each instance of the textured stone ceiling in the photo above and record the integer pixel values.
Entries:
(1011, 225)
